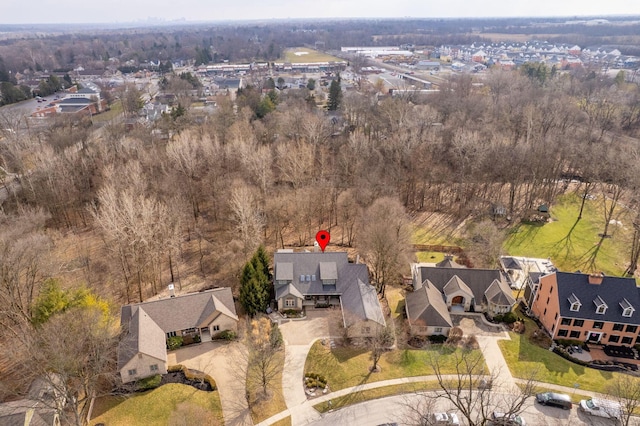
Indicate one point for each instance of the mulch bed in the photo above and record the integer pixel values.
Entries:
(179, 377)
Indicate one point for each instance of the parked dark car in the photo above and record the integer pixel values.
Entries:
(553, 399)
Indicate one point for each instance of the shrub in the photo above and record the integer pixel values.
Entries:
(455, 335)
(174, 342)
(275, 337)
(193, 376)
(509, 318)
(226, 335)
(290, 312)
(313, 380)
(437, 338)
(147, 383)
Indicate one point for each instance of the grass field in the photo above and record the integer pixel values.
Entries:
(573, 244)
(302, 54)
(346, 366)
(367, 395)
(116, 110)
(159, 406)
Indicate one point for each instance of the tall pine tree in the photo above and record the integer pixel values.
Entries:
(255, 283)
(335, 95)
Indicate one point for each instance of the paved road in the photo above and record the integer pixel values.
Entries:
(394, 409)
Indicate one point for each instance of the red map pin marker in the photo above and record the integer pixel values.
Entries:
(323, 238)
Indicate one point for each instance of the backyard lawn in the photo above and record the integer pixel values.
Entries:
(346, 366)
(573, 244)
(167, 403)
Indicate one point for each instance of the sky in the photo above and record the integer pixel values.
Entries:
(122, 11)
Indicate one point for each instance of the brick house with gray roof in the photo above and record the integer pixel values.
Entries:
(142, 351)
(323, 280)
(592, 308)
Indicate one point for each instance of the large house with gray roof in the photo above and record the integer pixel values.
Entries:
(143, 349)
(309, 280)
(445, 287)
(592, 308)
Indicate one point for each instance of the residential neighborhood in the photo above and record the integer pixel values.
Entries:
(359, 221)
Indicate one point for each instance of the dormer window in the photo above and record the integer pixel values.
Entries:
(627, 308)
(601, 307)
(574, 302)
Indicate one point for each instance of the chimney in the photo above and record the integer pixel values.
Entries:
(172, 290)
(357, 259)
(596, 278)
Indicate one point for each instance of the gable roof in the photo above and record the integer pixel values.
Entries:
(185, 311)
(498, 296)
(144, 336)
(448, 262)
(456, 284)
(426, 307)
(477, 280)
(359, 299)
(27, 412)
(613, 291)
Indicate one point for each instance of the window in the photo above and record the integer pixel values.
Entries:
(627, 312)
(556, 317)
(618, 327)
(578, 323)
(601, 309)
(551, 290)
(153, 367)
(575, 307)
(437, 330)
(562, 332)
(216, 328)
(548, 299)
(626, 340)
(575, 334)
(565, 321)
(545, 312)
(189, 331)
(133, 372)
(598, 325)
(171, 334)
(553, 326)
(632, 328)
(289, 303)
(614, 338)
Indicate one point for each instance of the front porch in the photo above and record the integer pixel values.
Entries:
(320, 301)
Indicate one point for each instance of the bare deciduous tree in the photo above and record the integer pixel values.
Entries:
(385, 240)
(625, 389)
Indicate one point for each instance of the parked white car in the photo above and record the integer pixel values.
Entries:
(601, 408)
(449, 419)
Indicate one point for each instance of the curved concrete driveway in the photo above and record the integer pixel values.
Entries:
(214, 358)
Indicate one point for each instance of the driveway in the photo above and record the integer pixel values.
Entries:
(221, 361)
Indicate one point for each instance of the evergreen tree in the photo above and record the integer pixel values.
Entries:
(261, 260)
(254, 287)
(335, 95)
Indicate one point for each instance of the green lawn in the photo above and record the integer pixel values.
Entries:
(523, 357)
(573, 244)
(367, 395)
(306, 55)
(116, 110)
(430, 256)
(159, 407)
(346, 366)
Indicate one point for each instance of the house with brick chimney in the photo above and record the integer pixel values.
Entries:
(592, 308)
